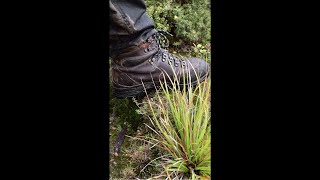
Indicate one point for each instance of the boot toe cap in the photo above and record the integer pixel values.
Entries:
(199, 67)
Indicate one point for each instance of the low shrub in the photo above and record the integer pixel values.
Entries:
(189, 21)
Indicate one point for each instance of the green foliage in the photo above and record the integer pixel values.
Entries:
(193, 21)
(190, 21)
(125, 109)
(160, 12)
(181, 118)
(202, 51)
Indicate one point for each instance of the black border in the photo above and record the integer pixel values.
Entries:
(59, 81)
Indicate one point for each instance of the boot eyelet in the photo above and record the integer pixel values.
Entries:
(163, 59)
(176, 64)
(170, 62)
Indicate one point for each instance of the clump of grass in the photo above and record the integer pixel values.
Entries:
(181, 118)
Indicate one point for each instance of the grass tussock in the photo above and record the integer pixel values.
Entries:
(180, 115)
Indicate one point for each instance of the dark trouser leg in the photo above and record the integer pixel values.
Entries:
(139, 55)
(129, 23)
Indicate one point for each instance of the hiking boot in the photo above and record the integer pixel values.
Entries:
(149, 63)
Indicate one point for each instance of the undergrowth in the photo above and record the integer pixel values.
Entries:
(180, 118)
(188, 20)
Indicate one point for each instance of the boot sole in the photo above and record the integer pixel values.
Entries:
(139, 91)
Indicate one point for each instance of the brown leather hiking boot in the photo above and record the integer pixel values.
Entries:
(149, 63)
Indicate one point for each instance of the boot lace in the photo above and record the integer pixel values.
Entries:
(163, 43)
